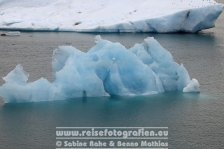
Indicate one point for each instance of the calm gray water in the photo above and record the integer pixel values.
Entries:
(195, 120)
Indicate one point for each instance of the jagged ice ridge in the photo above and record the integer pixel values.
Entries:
(107, 69)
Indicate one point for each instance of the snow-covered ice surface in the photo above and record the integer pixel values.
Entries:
(107, 69)
(109, 15)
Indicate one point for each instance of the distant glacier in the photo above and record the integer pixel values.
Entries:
(109, 15)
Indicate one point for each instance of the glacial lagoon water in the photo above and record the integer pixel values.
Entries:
(194, 120)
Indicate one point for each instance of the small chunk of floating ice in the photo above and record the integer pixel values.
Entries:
(192, 86)
(12, 33)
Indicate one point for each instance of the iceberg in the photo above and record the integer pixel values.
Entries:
(107, 69)
(109, 15)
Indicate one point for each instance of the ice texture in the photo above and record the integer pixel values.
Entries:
(109, 15)
(107, 69)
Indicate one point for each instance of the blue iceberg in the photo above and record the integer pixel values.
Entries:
(107, 69)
